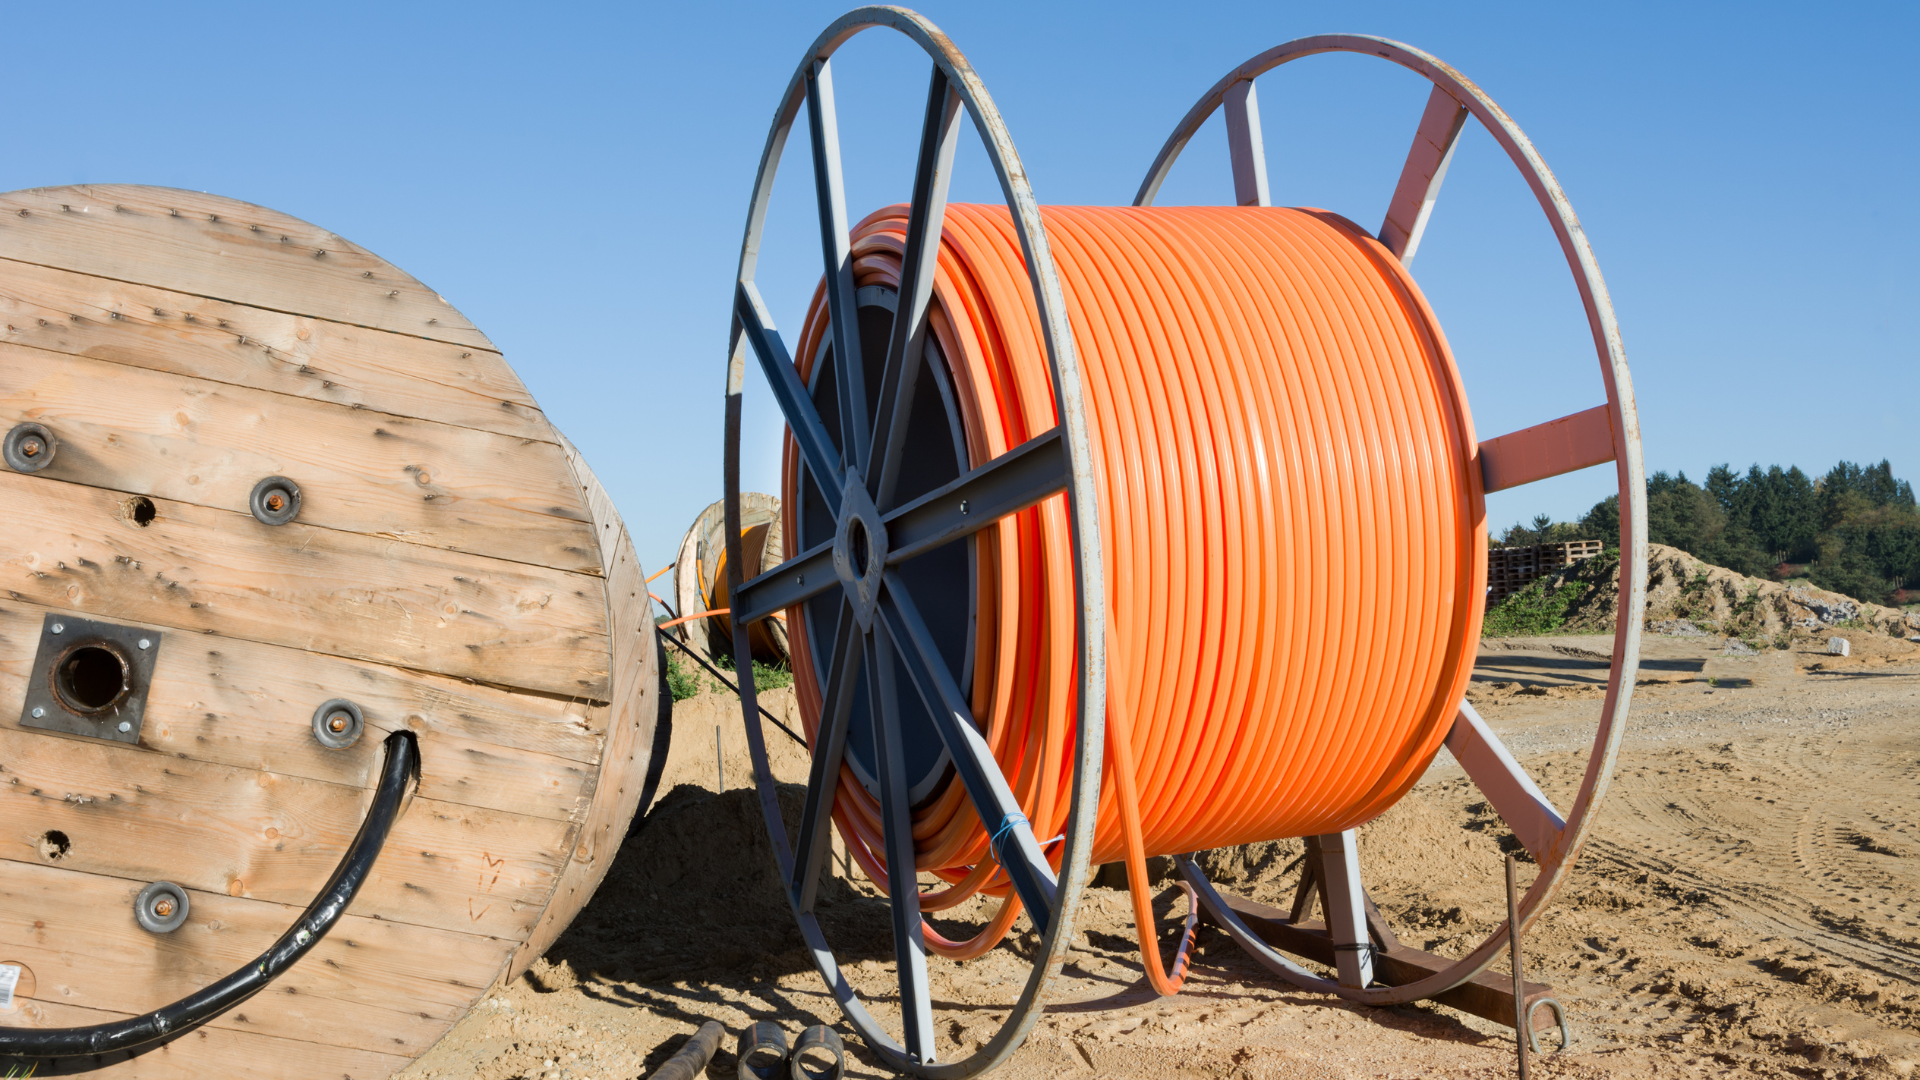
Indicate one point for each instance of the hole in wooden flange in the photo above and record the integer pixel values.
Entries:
(140, 511)
(91, 678)
(54, 845)
(23, 984)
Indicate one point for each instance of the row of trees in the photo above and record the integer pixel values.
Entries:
(1855, 530)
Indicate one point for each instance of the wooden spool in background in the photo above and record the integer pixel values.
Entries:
(454, 569)
(700, 576)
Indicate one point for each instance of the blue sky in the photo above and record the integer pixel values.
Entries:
(575, 180)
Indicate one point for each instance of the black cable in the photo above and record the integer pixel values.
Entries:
(401, 768)
(711, 670)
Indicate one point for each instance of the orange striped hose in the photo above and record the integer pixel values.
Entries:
(1292, 523)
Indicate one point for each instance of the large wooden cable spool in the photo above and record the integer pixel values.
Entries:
(701, 581)
(1188, 499)
(314, 509)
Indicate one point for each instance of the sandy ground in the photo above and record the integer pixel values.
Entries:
(1748, 906)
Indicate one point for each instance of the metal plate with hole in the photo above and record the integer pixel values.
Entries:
(161, 907)
(90, 678)
(29, 447)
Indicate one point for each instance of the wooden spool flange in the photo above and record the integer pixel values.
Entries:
(453, 569)
(700, 578)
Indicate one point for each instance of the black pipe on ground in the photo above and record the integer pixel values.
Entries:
(692, 1059)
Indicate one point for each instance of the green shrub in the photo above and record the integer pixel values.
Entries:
(1537, 609)
(765, 676)
(772, 676)
(683, 681)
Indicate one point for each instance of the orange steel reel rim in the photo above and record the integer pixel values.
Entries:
(1292, 516)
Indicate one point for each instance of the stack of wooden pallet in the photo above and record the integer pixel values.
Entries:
(1510, 569)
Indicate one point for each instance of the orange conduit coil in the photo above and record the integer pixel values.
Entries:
(753, 543)
(1292, 522)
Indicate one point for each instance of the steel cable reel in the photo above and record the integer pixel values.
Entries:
(1610, 432)
(873, 520)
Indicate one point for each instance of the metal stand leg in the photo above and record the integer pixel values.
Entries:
(1522, 1016)
(1346, 908)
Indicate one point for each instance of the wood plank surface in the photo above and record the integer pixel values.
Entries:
(370, 984)
(210, 1052)
(141, 326)
(225, 249)
(132, 813)
(343, 594)
(194, 441)
(251, 706)
(635, 711)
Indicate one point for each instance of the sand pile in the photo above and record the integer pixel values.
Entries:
(1685, 592)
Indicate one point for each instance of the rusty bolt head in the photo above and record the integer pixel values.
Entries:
(161, 907)
(29, 447)
(338, 724)
(275, 500)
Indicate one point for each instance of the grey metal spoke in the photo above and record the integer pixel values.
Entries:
(1512, 793)
(1009, 483)
(1019, 854)
(903, 884)
(830, 747)
(816, 448)
(1246, 145)
(1015, 480)
(842, 312)
(1420, 177)
(939, 135)
(795, 581)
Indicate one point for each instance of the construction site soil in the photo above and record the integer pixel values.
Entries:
(1749, 903)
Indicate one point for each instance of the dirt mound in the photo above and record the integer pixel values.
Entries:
(1684, 593)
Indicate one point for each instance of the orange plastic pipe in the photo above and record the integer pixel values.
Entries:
(1292, 521)
(708, 614)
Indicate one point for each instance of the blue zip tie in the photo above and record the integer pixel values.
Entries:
(1006, 826)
